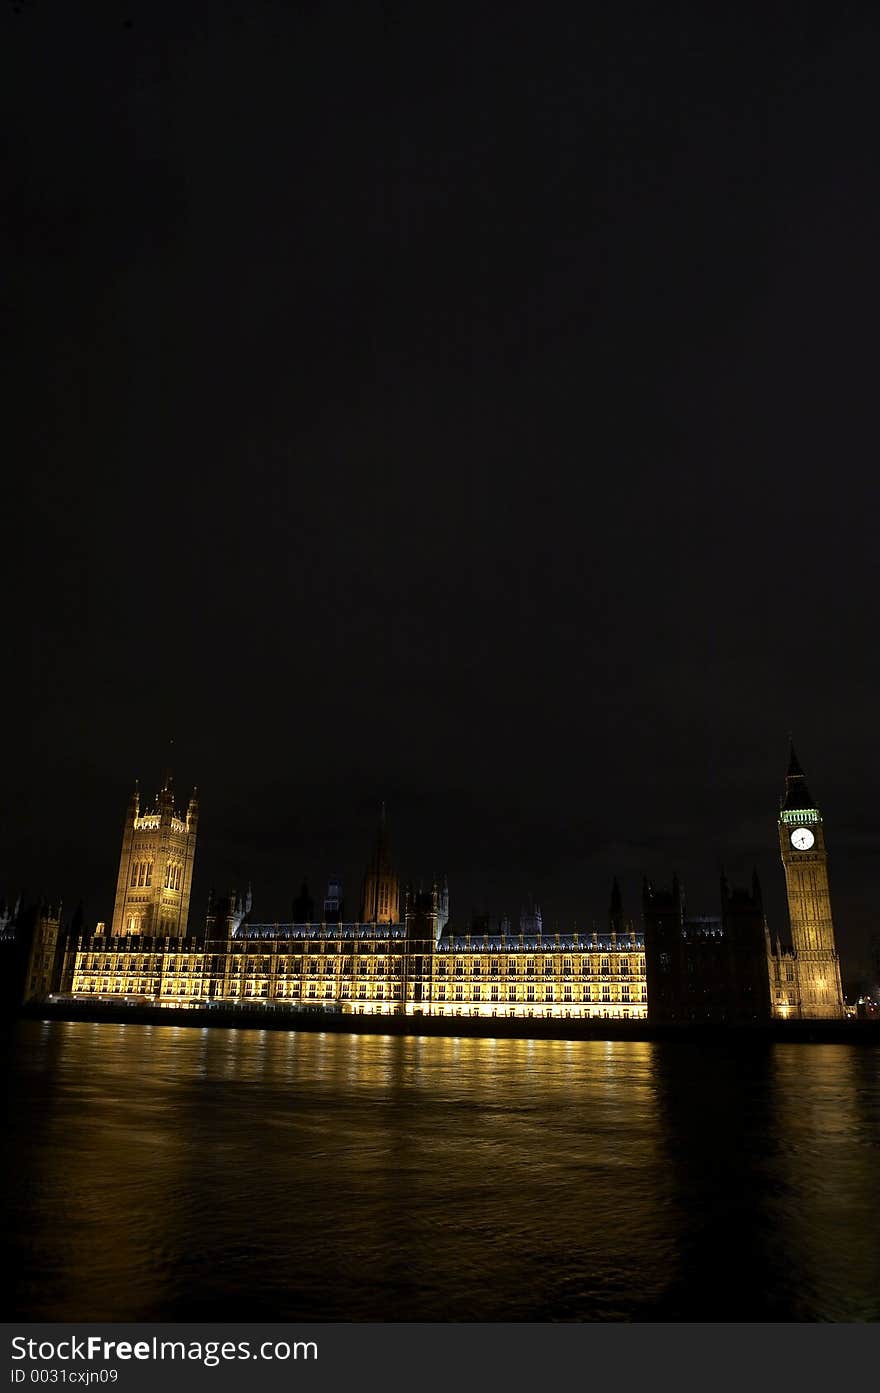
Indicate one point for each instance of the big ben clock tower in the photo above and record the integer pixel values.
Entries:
(802, 842)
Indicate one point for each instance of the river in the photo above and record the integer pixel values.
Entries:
(166, 1173)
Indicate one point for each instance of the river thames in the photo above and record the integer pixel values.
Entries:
(164, 1173)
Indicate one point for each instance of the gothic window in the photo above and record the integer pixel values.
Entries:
(134, 874)
(149, 873)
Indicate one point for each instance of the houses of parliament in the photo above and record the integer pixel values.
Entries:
(402, 954)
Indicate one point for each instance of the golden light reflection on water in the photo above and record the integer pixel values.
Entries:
(178, 1173)
(826, 1134)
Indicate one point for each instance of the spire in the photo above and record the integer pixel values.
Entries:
(796, 795)
(615, 912)
(794, 768)
(383, 858)
(677, 892)
(167, 781)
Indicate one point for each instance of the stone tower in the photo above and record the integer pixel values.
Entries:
(43, 966)
(380, 903)
(802, 843)
(156, 866)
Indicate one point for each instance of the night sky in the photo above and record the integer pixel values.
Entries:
(469, 407)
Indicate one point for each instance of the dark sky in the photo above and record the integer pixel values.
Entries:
(471, 407)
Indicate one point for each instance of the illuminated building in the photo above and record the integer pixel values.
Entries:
(155, 867)
(405, 967)
(404, 957)
(380, 902)
(805, 978)
(388, 962)
(725, 968)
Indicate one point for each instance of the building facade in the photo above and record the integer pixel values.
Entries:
(410, 967)
(404, 957)
(706, 968)
(805, 978)
(155, 867)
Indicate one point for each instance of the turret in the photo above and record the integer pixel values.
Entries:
(380, 901)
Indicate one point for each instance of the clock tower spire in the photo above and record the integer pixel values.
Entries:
(805, 861)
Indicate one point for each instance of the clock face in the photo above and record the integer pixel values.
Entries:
(802, 839)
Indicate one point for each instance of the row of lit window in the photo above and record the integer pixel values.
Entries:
(113, 962)
(625, 1013)
(153, 987)
(379, 967)
(196, 986)
(513, 967)
(549, 993)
